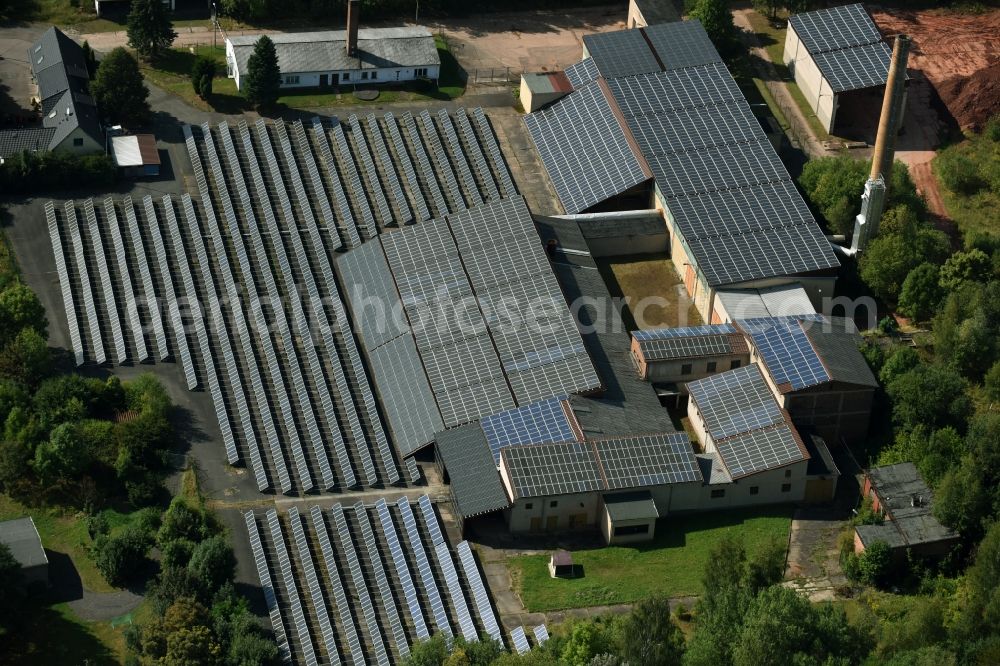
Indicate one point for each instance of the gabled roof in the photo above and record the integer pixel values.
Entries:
(14, 141)
(60, 70)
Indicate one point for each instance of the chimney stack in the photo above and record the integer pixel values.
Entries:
(892, 109)
(353, 16)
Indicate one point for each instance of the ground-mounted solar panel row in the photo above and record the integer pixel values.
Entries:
(361, 584)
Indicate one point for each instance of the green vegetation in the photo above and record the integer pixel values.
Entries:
(202, 73)
(30, 172)
(263, 78)
(119, 90)
(150, 31)
(969, 175)
(668, 565)
(717, 18)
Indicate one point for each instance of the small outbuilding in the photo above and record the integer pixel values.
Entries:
(561, 565)
(25, 545)
(135, 155)
(629, 517)
(541, 88)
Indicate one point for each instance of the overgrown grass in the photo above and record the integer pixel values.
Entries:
(973, 213)
(671, 564)
(653, 290)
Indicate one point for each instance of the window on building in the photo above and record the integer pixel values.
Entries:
(420, 71)
(735, 364)
(786, 487)
(626, 530)
(788, 473)
(710, 367)
(719, 492)
(529, 506)
(374, 75)
(553, 504)
(346, 76)
(291, 79)
(78, 141)
(754, 490)
(686, 369)
(364, 76)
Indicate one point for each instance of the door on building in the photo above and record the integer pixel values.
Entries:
(536, 524)
(578, 520)
(335, 78)
(324, 80)
(551, 523)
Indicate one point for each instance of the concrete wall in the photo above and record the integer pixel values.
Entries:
(698, 425)
(583, 507)
(635, 18)
(672, 370)
(629, 244)
(610, 538)
(768, 487)
(532, 101)
(814, 87)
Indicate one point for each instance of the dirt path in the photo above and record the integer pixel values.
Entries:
(813, 562)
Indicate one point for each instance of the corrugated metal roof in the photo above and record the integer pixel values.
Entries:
(125, 151)
(475, 483)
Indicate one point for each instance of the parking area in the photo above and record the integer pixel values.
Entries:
(16, 87)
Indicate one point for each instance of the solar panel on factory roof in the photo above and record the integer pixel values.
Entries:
(552, 469)
(707, 345)
(582, 73)
(584, 149)
(852, 69)
(835, 28)
(682, 332)
(647, 460)
(695, 87)
(681, 44)
(788, 250)
(787, 352)
(536, 423)
(621, 53)
(760, 450)
(717, 168)
(673, 131)
(735, 401)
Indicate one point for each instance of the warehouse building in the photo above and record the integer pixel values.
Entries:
(656, 120)
(841, 63)
(343, 57)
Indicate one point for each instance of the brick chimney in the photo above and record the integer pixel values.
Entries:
(353, 16)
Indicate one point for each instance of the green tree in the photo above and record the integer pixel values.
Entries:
(263, 78)
(932, 395)
(90, 58)
(63, 457)
(649, 635)
(834, 185)
(11, 589)
(19, 309)
(202, 73)
(890, 257)
(973, 265)
(902, 361)
(957, 172)
(122, 556)
(182, 522)
(586, 641)
(960, 500)
(149, 29)
(874, 563)
(991, 382)
(768, 7)
(431, 652)
(921, 292)
(980, 593)
(213, 563)
(26, 359)
(717, 19)
(118, 87)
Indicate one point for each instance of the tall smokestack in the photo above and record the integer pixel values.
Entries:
(353, 16)
(892, 108)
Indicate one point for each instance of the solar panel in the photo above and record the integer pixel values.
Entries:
(152, 306)
(187, 281)
(475, 581)
(552, 469)
(312, 582)
(378, 572)
(360, 585)
(717, 168)
(412, 470)
(478, 157)
(67, 290)
(681, 44)
(674, 348)
(584, 150)
(760, 450)
(541, 634)
(107, 289)
(621, 53)
(788, 354)
(647, 460)
(835, 28)
(493, 148)
(443, 557)
(735, 401)
(345, 220)
(693, 88)
(205, 348)
(131, 308)
(683, 331)
(442, 168)
(430, 520)
(402, 570)
(535, 423)
(852, 69)
(374, 188)
(349, 225)
(458, 158)
(340, 601)
(406, 166)
(582, 73)
(389, 171)
(520, 640)
(427, 174)
(90, 309)
(430, 586)
(264, 574)
(291, 591)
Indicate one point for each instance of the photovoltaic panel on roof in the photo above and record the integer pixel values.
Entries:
(552, 469)
(708, 345)
(621, 53)
(584, 150)
(734, 402)
(759, 450)
(735, 212)
(535, 423)
(682, 44)
(852, 69)
(371, 293)
(835, 28)
(683, 332)
(787, 353)
(696, 87)
(582, 73)
(717, 168)
(646, 460)
(680, 130)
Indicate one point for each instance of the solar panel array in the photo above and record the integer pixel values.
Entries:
(582, 73)
(681, 44)
(107, 290)
(140, 258)
(541, 634)
(332, 600)
(646, 460)
(76, 341)
(621, 53)
(788, 354)
(683, 332)
(520, 640)
(125, 280)
(734, 402)
(85, 289)
(673, 348)
(852, 69)
(539, 422)
(835, 28)
(552, 469)
(760, 450)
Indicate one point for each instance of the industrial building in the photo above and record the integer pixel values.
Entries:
(343, 57)
(70, 121)
(899, 494)
(841, 64)
(656, 120)
(21, 537)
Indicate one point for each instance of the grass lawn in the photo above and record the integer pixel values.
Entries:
(671, 564)
(974, 212)
(653, 289)
(54, 635)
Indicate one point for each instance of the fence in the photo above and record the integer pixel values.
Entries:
(494, 75)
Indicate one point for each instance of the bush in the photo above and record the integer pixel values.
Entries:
(122, 557)
(874, 563)
(921, 292)
(957, 172)
(201, 76)
(28, 172)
